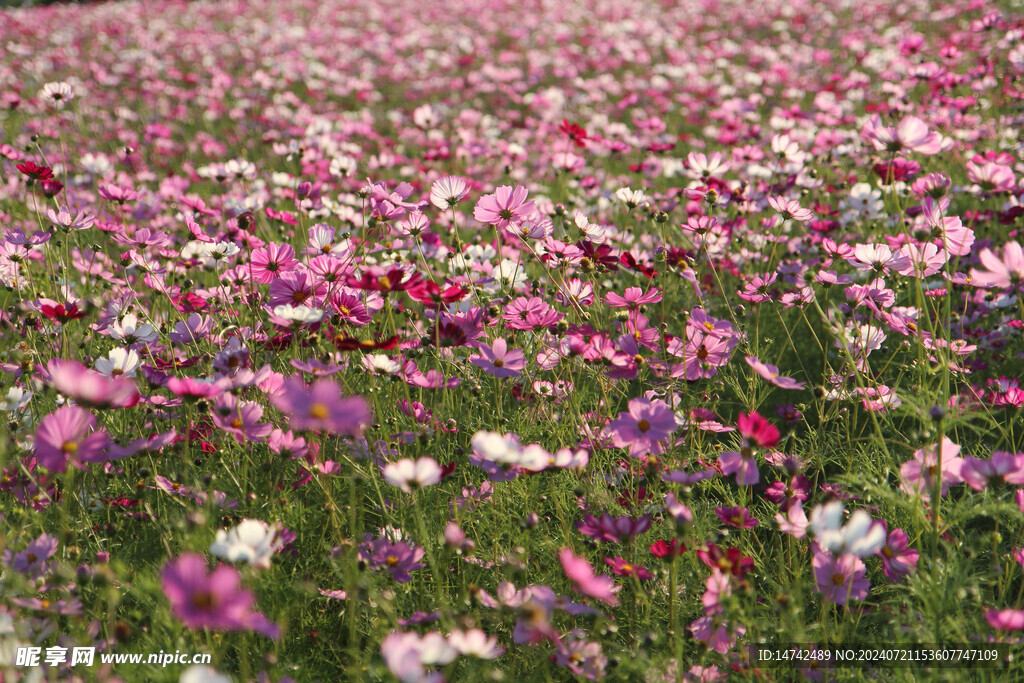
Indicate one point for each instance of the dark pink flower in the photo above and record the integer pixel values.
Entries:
(623, 568)
(737, 517)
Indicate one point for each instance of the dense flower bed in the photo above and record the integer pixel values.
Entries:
(488, 340)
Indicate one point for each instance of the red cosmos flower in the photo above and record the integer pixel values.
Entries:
(34, 171)
(628, 260)
(430, 293)
(60, 312)
(601, 254)
(52, 187)
(730, 560)
(667, 549)
(577, 134)
(345, 343)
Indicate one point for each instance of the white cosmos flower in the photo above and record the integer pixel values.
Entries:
(408, 474)
(130, 331)
(119, 362)
(16, 399)
(200, 673)
(252, 541)
(631, 198)
(381, 363)
(475, 643)
(861, 536)
(298, 314)
(58, 93)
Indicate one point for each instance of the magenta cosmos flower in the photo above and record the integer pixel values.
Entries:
(643, 427)
(498, 359)
(613, 529)
(91, 388)
(321, 406)
(399, 558)
(67, 435)
(584, 580)
(503, 207)
(214, 600)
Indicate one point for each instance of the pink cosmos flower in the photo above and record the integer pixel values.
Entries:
(948, 231)
(919, 473)
(321, 406)
(898, 558)
(736, 517)
(1000, 272)
(613, 529)
(771, 373)
(632, 298)
(399, 558)
(91, 388)
(643, 427)
(241, 419)
(922, 260)
(498, 359)
(714, 631)
(214, 600)
(790, 208)
(269, 261)
(1005, 620)
(1002, 466)
(193, 388)
(910, 134)
(503, 207)
(67, 435)
(579, 571)
(878, 258)
(702, 353)
(991, 177)
(754, 431)
(842, 579)
(794, 522)
(33, 559)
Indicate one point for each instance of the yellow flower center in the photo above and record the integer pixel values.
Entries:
(318, 411)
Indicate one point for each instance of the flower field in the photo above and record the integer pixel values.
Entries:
(489, 340)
